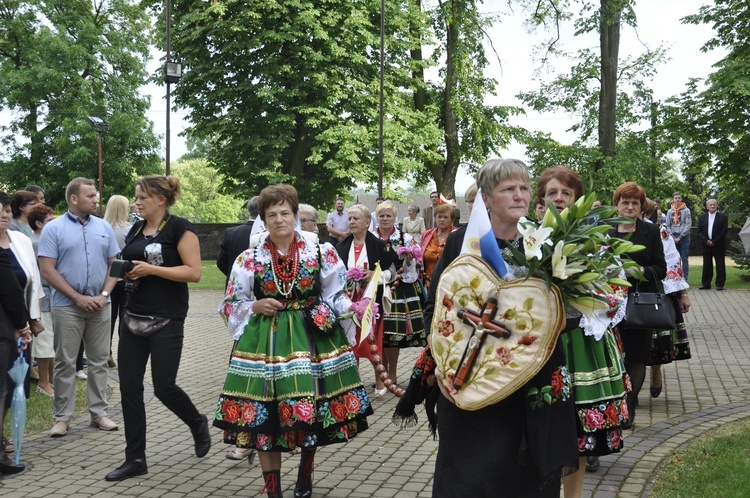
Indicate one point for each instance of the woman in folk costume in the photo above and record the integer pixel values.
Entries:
(403, 319)
(519, 446)
(669, 345)
(292, 379)
(594, 357)
(360, 252)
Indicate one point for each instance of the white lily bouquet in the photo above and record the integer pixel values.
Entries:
(581, 259)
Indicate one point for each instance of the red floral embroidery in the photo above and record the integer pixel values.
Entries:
(527, 340)
(338, 410)
(259, 268)
(352, 403)
(614, 438)
(447, 302)
(312, 263)
(230, 288)
(331, 257)
(319, 320)
(290, 439)
(594, 419)
(227, 310)
(304, 411)
(285, 413)
(504, 355)
(269, 287)
(611, 414)
(305, 283)
(556, 383)
(231, 411)
(248, 413)
(248, 264)
(445, 327)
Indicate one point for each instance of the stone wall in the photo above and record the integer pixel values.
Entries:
(210, 234)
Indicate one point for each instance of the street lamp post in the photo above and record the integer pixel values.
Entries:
(172, 74)
(100, 126)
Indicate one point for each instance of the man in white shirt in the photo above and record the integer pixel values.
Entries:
(712, 230)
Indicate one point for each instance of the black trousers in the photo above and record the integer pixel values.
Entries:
(711, 253)
(165, 350)
(117, 300)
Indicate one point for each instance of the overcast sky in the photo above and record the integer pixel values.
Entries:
(658, 22)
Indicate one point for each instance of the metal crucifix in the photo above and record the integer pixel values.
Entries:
(483, 324)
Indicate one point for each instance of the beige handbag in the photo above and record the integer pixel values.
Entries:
(491, 336)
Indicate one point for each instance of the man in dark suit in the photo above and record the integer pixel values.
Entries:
(712, 230)
(236, 240)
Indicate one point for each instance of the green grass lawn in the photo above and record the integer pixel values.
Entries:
(714, 465)
(39, 410)
(733, 276)
(211, 277)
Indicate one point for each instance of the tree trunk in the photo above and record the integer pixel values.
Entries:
(36, 145)
(609, 38)
(452, 149)
(420, 92)
(299, 150)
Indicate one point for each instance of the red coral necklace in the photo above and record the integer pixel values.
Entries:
(285, 269)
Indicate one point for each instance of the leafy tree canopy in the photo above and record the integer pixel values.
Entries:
(62, 62)
(200, 201)
(287, 91)
(709, 122)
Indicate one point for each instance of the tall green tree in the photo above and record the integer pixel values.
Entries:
(472, 130)
(201, 200)
(610, 97)
(603, 18)
(578, 93)
(62, 61)
(287, 91)
(710, 121)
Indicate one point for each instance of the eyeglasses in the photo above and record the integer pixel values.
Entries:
(305, 220)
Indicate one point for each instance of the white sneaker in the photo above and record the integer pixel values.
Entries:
(81, 375)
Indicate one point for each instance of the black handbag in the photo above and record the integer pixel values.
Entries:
(649, 310)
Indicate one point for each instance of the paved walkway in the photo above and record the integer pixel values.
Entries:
(711, 389)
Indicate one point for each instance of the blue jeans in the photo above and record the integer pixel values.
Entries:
(683, 246)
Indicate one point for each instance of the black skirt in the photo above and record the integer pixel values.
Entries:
(520, 446)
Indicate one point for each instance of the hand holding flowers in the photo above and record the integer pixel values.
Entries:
(578, 257)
